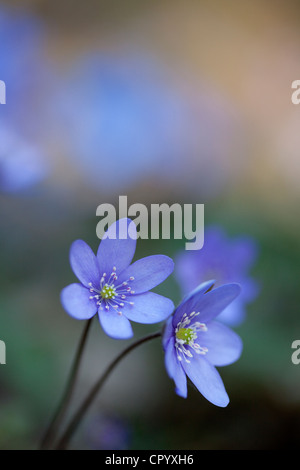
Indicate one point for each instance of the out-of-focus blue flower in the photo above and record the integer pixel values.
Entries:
(194, 343)
(123, 119)
(22, 66)
(116, 289)
(225, 260)
(126, 120)
(21, 163)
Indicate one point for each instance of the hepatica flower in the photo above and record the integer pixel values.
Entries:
(194, 342)
(112, 287)
(225, 260)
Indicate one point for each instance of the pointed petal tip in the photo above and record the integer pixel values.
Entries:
(236, 288)
(202, 288)
(77, 243)
(180, 393)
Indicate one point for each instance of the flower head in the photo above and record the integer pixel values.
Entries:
(194, 343)
(225, 261)
(112, 287)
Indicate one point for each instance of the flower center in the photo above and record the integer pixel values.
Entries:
(108, 292)
(109, 295)
(185, 337)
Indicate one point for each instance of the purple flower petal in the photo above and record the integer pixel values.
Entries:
(234, 314)
(116, 326)
(84, 263)
(207, 380)
(117, 247)
(175, 370)
(250, 289)
(209, 304)
(148, 272)
(244, 252)
(148, 308)
(199, 290)
(224, 345)
(75, 298)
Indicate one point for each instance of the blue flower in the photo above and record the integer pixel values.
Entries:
(112, 287)
(108, 432)
(225, 260)
(194, 343)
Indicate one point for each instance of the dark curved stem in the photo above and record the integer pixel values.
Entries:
(65, 400)
(62, 444)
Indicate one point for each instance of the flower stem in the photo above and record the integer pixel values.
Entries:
(62, 444)
(65, 400)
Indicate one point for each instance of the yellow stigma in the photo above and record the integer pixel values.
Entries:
(108, 292)
(186, 335)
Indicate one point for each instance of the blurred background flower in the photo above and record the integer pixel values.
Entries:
(21, 164)
(224, 260)
(173, 101)
(127, 120)
(26, 74)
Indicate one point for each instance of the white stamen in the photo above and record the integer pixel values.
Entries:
(186, 341)
(110, 295)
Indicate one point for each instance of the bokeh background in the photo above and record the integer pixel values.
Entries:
(163, 101)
